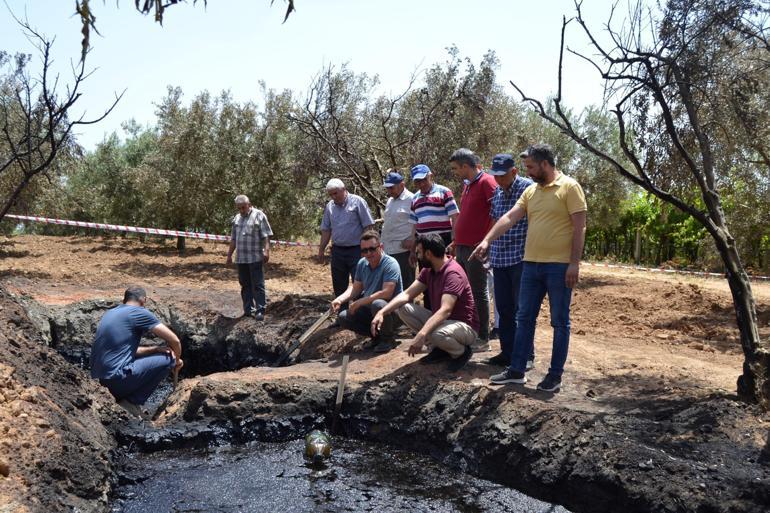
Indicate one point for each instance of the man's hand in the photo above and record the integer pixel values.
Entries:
(572, 276)
(229, 260)
(179, 365)
(407, 244)
(450, 250)
(377, 323)
(336, 304)
(321, 256)
(480, 253)
(265, 256)
(412, 258)
(416, 346)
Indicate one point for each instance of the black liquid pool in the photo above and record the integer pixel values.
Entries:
(273, 477)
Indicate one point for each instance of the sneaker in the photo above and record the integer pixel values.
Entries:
(530, 365)
(383, 346)
(494, 334)
(436, 355)
(550, 383)
(499, 359)
(259, 316)
(508, 376)
(458, 363)
(134, 409)
(480, 346)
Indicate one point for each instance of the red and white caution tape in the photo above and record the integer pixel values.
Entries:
(669, 271)
(139, 229)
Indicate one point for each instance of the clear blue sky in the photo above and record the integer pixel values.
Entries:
(234, 44)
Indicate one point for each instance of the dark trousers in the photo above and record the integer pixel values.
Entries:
(361, 321)
(344, 260)
(252, 280)
(407, 271)
(507, 291)
(447, 237)
(140, 378)
(477, 277)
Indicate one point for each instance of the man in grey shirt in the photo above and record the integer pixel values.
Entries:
(250, 240)
(396, 227)
(346, 217)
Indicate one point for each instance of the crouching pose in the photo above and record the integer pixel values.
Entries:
(452, 324)
(377, 280)
(130, 372)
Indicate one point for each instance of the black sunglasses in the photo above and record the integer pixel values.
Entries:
(372, 249)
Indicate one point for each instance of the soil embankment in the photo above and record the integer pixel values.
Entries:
(648, 419)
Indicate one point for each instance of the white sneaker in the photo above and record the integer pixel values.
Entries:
(134, 409)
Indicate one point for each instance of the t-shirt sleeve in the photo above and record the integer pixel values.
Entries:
(449, 203)
(264, 226)
(576, 199)
(524, 199)
(453, 284)
(364, 214)
(326, 222)
(391, 272)
(143, 320)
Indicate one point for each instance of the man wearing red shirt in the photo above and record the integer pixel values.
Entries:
(450, 327)
(472, 225)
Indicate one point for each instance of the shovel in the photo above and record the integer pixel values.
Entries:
(297, 343)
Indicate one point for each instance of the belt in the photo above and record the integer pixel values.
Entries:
(345, 247)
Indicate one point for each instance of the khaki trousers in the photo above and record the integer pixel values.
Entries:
(451, 336)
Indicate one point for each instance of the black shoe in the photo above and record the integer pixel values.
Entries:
(459, 362)
(259, 316)
(508, 376)
(499, 359)
(436, 355)
(494, 334)
(383, 346)
(550, 383)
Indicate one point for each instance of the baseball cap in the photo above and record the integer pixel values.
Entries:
(501, 164)
(392, 179)
(420, 171)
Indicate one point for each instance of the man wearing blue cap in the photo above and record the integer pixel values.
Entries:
(434, 210)
(396, 228)
(506, 254)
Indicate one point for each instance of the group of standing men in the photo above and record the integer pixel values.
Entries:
(530, 231)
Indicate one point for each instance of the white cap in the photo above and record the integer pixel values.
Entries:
(334, 183)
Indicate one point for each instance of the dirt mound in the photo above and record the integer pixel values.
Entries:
(54, 448)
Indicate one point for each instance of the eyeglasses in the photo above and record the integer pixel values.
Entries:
(372, 249)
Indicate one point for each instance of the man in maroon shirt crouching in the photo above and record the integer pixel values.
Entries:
(451, 326)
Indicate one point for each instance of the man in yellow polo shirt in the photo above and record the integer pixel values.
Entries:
(555, 207)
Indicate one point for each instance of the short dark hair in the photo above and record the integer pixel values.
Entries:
(369, 235)
(465, 156)
(432, 242)
(137, 294)
(540, 153)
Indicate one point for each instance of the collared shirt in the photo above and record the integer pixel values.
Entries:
(347, 221)
(396, 226)
(451, 279)
(430, 212)
(374, 279)
(473, 223)
(249, 233)
(508, 250)
(549, 237)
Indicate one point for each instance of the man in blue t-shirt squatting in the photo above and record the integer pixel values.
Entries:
(377, 281)
(130, 372)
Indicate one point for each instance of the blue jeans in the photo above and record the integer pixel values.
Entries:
(140, 378)
(537, 279)
(343, 266)
(361, 321)
(507, 281)
(252, 280)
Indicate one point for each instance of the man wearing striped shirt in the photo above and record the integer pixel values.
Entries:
(506, 254)
(433, 210)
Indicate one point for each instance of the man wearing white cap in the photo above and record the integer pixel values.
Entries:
(396, 227)
(346, 217)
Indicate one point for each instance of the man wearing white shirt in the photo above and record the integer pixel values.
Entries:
(396, 227)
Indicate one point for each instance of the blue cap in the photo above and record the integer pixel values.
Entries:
(392, 179)
(420, 171)
(501, 164)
